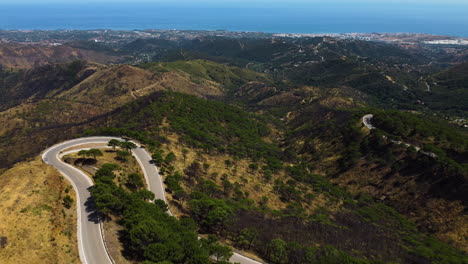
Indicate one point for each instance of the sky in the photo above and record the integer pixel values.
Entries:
(401, 4)
(221, 2)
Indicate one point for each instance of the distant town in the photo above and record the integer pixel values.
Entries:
(58, 37)
(402, 38)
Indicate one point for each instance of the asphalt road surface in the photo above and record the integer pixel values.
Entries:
(90, 241)
(366, 120)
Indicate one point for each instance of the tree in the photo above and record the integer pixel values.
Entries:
(210, 214)
(151, 236)
(95, 153)
(105, 174)
(253, 166)
(278, 252)
(227, 186)
(218, 252)
(194, 170)
(83, 153)
(173, 182)
(114, 143)
(221, 253)
(67, 201)
(157, 252)
(104, 199)
(128, 145)
(247, 237)
(158, 156)
(170, 157)
(134, 181)
(209, 188)
(161, 205)
(146, 195)
(122, 155)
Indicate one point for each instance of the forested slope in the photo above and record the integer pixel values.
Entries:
(277, 161)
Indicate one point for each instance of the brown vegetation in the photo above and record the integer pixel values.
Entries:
(21, 56)
(442, 217)
(33, 217)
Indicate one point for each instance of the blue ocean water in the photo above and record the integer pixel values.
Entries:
(450, 19)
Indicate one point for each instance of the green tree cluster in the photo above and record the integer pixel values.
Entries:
(149, 233)
(210, 214)
(90, 153)
(126, 145)
(202, 124)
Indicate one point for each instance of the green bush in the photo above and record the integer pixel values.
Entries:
(67, 201)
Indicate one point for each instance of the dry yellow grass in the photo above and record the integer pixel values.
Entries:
(38, 227)
(111, 231)
(27, 56)
(116, 85)
(252, 182)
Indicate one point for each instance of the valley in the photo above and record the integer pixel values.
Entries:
(264, 143)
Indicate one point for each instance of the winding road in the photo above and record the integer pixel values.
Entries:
(366, 120)
(91, 244)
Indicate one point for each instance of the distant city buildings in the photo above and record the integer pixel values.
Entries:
(447, 42)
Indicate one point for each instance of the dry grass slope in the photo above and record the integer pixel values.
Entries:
(28, 56)
(38, 227)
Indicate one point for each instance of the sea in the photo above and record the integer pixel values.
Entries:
(334, 16)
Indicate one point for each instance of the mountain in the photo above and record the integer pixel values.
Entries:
(66, 95)
(390, 75)
(269, 132)
(447, 90)
(27, 56)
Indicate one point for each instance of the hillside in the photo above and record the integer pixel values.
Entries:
(325, 132)
(448, 90)
(37, 224)
(366, 162)
(263, 144)
(60, 97)
(28, 56)
(392, 76)
(162, 118)
(196, 179)
(203, 70)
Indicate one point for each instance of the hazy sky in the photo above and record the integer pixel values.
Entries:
(221, 2)
(399, 4)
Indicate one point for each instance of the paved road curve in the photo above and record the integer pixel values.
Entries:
(366, 121)
(90, 242)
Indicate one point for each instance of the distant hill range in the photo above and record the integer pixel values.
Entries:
(290, 106)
